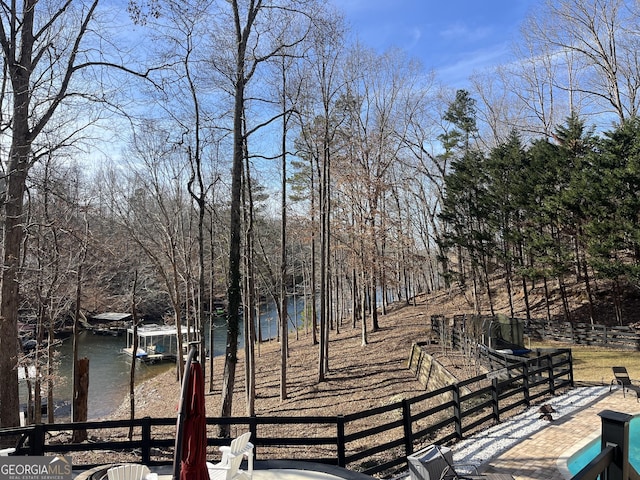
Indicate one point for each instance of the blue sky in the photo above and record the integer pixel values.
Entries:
(452, 37)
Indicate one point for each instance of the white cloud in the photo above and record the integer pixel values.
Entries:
(463, 32)
(411, 37)
(416, 34)
(469, 62)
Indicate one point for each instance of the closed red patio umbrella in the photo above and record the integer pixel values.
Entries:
(190, 457)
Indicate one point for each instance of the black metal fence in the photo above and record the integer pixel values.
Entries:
(375, 441)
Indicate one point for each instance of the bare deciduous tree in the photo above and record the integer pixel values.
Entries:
(250, 20)
(597, 43)
(45, 47)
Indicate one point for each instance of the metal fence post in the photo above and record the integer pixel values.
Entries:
(615, 431)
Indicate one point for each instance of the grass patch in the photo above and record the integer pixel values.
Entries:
(592, 365)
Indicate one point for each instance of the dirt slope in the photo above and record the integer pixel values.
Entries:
(361, 376)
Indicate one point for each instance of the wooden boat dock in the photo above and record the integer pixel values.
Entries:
(156, 343)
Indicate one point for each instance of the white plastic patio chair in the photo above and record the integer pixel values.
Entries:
(130, 471)
(229, 467)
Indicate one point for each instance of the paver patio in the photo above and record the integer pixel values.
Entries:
(536, 456)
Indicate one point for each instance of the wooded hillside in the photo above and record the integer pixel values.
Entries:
(235, 151)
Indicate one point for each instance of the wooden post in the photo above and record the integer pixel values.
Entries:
(525, 384)
(37, 440)
(81, 400)
(457, 410)
(551, 375)
(253, 428)
(406, 421)
(495, 399)
(571, 369)
(146, 439)
(342, 454)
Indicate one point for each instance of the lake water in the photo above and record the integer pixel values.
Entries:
(109, 369)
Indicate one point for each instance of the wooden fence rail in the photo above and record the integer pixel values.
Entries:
(351, 441)
(459, 330)
(586, 334)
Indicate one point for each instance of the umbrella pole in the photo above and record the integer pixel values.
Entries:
(177, 451)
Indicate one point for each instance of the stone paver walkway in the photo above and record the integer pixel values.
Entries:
(536, 456)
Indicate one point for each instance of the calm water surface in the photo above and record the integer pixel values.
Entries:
(109, 369)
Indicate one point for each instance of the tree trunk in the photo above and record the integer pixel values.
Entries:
(617, 301)
(251, 311)
(19, 40)
(177, 308)
(509, 290)
(587, 284)
(363, 310)
(284, 334)
(80, 366)
(314, 272)
(374, 302)
(134, 351)
(250, 302)
(354, 298)
(323, 360)
(37, 393)
(485, 272)
(565, 301)
(525, 290)
(50, 370)
(547, 303)
(211, 306)
(13, 235)
(234, 293)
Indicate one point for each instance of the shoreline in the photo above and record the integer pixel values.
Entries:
(358, 378)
